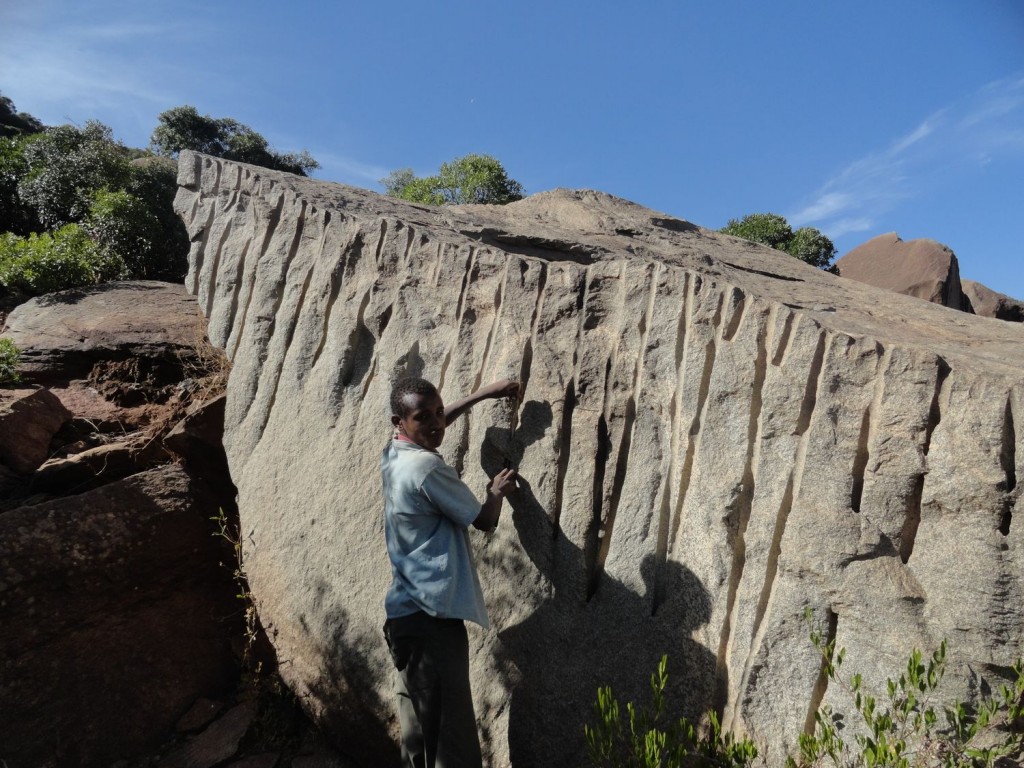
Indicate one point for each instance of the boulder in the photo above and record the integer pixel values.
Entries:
(714, 438)
(150, 325)
(921, 268)
(29, 418)
(97, 466)
(988, 303)
(116, 617)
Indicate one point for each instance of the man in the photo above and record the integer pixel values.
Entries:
(435, 588)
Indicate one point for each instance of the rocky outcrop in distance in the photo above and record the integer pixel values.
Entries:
(714, 437)
(927, 270)
(922, 268)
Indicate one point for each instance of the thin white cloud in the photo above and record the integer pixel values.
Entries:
(976, 130)
(348, 170)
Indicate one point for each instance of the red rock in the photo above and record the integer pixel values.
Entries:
(199, 715)
(988, 303)
(29, 418)
(115, 615)
(217, 743)
(922, 268)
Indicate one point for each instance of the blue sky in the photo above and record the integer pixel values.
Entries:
(857, 118)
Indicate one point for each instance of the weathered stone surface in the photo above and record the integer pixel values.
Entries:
(714, 436)
(96, 466)
(65, 334)
(203, 712)
(116, 616)
(922, 268)
(217, 743)
(988, 303)
(29, 418)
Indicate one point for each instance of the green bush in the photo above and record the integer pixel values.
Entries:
(66, 258)
(646, 742)
(9, 356)
(901, 729)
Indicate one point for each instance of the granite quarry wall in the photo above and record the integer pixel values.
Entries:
(713, 437)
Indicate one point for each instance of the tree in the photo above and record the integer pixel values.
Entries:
(184, 128)
(15, 123)
(470, 179)
(807, 243)
(66, 165)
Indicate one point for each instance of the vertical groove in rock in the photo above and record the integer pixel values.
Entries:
(272, 222)
(470, 260)
(868, 428)
(538, 307)
(273, 372)
(236, 292)
(356, 341)
(695, 424)
(355, 250)
(665, 523)
(908, 534)
(628, 425)
(783, 346)
(198, 258)
(593, 535)
(744, 502)
(564, 448)
(211, 281)
(410, 236)
(380, 242)
(814, 379)
(860, 461)
(821, 684)
(738, 300)
(499, 296)
(1008, 460)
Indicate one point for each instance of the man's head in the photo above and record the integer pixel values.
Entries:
(417, 412)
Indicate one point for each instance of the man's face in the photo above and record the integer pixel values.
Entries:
(424, 421)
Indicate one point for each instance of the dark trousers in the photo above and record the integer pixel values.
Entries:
(435, 706)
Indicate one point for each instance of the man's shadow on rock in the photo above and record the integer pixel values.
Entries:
(554, 660)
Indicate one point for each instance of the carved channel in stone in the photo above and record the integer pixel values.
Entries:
(211, 281)
(912, 520)
(564, 449)
(783, 346)
(1008, 460)
(821, 684)
(273, 374)
(354, 251)
(744, 502)
(272, 221)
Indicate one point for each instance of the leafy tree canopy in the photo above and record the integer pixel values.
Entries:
(15, 123)
(184, 128)
(469, 179)
(807, 243)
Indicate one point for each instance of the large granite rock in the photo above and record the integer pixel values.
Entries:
(988, 303)
(714, 436)
(922, 268)
(116, 616)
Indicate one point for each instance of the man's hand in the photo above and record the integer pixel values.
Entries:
(501, 486)
(502, 389)
(504, 483)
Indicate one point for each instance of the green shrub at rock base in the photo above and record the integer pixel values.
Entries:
(647, 741)
(66, 258)
(902, 729)
(9, 356)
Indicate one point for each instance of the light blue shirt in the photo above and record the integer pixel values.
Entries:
(427, 510)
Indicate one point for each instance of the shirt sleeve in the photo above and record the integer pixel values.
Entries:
(452, 496)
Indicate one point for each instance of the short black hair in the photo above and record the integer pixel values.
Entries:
(409, 386)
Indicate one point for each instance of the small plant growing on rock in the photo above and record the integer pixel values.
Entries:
(643, 741)
(9, 356)
(903, 730)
